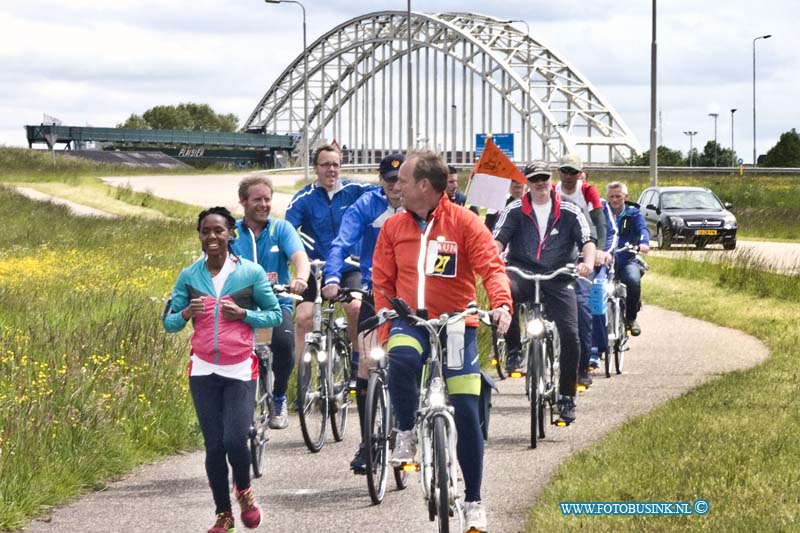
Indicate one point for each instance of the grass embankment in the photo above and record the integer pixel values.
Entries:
(79, 181)
(90, 385)
(733, 442)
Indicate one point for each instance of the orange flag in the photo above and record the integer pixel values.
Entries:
(488, 185)
(494, 162)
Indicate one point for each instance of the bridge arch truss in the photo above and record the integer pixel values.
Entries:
(470, 74)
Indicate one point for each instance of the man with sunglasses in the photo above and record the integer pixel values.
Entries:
(541, 233)
(316, 211)
(360, 226)
(576, 189)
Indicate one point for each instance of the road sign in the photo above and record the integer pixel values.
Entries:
(741, 161)
(504, 141)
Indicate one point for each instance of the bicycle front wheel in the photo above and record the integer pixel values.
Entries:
(441, 474)
(534, 390)
(620, 345)
(340, 389)
(312, 406)
(376, 437)
(500, 355)
(258, 430)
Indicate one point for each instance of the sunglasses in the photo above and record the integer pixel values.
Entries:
(569, 171)
(539, 177)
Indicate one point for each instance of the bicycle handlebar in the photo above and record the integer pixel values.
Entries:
(401, 310)
(568, 270)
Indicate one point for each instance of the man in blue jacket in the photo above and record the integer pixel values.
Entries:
(632, 229)
(273, 244)
(316, 211)
(361, 224)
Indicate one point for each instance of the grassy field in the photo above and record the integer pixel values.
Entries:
(90, 385)
(733, 442)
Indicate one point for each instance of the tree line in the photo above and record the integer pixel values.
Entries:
(785, 153)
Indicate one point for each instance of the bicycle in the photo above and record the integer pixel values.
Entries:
(618, 333)
(540, 339)
(323, 373)
(257, 435)
(378, 437)
(435, 426)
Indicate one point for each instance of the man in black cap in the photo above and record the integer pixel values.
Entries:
(361, 224)
(541, 233)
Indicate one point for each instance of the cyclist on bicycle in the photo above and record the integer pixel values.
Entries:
(361, 223)
(273, 244)
(632, 230)
(317, 210)
(225, 298)
(429, 256)
(575, 188)
(542, 232)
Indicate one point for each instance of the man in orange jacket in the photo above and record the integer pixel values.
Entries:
(429, 255)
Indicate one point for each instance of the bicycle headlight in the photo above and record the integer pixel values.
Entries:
(609, 289)
(377, 353)
(535, 327)
(307, 357)
(436, 394)
(322, 356)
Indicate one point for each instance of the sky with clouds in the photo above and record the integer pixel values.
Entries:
(95, 62)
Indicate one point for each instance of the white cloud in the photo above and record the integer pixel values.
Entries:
(98, 61)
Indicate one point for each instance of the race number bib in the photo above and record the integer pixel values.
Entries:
(442, 259)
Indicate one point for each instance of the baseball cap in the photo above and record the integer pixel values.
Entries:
(571, 161)
(536, 168)
(390, 166)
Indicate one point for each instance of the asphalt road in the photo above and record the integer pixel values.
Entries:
(304, 492)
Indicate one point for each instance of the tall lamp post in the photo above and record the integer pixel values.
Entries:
(410, 85)
(305, 82)
(653, 88)
(733, 151)
(715, 115)
(754, 94)
(691, 135)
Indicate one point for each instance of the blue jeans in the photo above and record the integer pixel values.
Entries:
(631, 276)
(582, 290)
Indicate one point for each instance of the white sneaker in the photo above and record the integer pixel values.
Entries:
(405, 447)
(475, 516)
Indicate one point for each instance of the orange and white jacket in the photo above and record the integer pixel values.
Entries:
(436, 267)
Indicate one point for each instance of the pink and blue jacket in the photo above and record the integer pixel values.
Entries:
(215, 339)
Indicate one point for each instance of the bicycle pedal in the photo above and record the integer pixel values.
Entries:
(517, 374)
(582, 388)
(561, 423)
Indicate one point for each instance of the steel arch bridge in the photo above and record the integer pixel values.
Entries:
(470, 73)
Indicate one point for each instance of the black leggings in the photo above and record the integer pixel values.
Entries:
(282, 347)
(224, 409)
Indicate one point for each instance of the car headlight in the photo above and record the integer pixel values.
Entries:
(729, 222)
(676, 222)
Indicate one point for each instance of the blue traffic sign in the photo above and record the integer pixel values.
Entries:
(741, 161)
(504, 141)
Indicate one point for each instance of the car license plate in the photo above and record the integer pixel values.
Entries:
(705, 232)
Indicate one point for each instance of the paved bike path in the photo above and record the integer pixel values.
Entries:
(304, 492)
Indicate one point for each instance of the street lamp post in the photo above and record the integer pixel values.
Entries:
(305, 83)
(715, 115)
(525, 131)
(653, 90)
(754, 94)
(691, 135)
(733, 151)
(410, 85)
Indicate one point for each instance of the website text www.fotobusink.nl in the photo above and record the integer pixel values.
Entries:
(698, 507)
